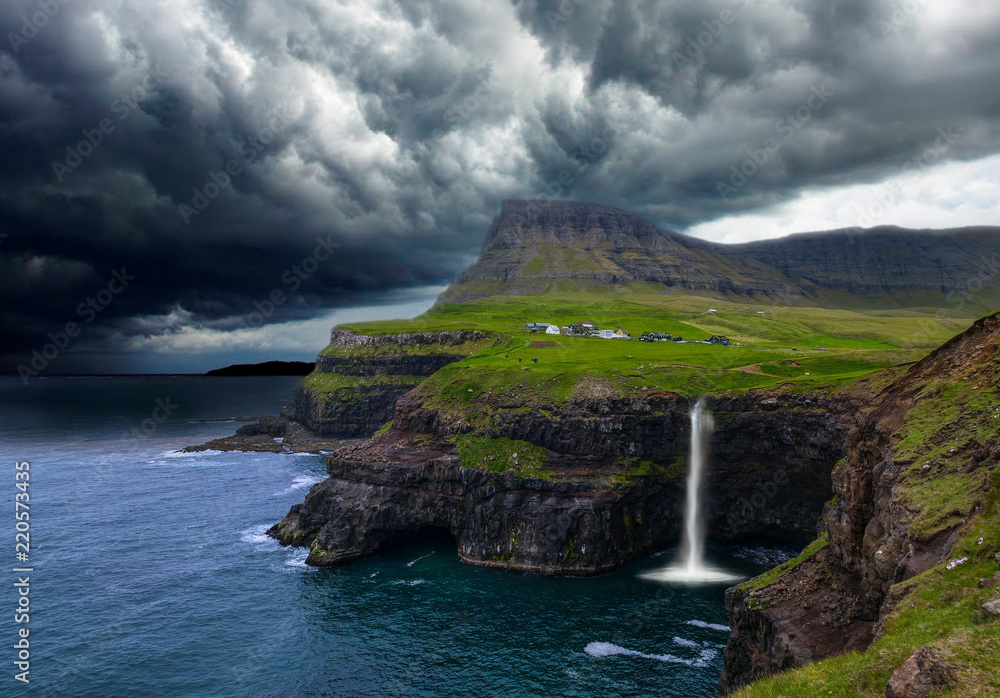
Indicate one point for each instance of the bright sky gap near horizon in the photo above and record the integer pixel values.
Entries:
(394, 130)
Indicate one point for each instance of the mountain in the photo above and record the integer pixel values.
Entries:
(534, 247)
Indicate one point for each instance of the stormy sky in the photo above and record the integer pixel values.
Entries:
(199, 182)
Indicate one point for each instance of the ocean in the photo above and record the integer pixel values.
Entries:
(152, 575)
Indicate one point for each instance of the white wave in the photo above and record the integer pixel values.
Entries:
(192, 454)
(257, 535)
(607, 649)
(413, 562)
(710, 626)
(294, 562)
(298, 559)
(300, 482)
(685, 643)
(409, 582)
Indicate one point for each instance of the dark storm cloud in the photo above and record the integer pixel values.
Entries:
(394, 130)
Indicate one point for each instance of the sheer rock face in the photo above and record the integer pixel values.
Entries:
(800, 618)
(347, 338)
(588, 516)
(532, 243)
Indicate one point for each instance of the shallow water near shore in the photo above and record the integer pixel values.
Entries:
(154, 576)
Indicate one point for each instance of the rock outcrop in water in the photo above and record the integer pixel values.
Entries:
(402, 484)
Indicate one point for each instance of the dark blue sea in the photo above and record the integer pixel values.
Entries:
(153, 576)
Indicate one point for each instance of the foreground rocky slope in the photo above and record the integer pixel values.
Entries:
(911, 530)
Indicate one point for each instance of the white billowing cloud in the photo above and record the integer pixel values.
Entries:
(952, 195)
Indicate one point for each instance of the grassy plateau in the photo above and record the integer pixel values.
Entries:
(800, 347)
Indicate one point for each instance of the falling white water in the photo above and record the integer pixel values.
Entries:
(693, 550)
(691, 565)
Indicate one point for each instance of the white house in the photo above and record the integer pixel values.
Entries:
(552, 329)
(607, 334)
(712, 310)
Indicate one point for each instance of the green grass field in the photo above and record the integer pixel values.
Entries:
(803, 347)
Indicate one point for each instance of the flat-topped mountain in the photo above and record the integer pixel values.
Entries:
(535, 246)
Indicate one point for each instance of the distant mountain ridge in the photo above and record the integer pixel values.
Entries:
(268, 368)
(533, 245)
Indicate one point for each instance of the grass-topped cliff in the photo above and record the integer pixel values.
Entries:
(465, 358)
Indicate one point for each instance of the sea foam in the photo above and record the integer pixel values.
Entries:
(710, 626)
(607, 649)
(300, 482)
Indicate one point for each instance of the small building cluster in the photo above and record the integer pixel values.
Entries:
(590, 329)
(580, 329)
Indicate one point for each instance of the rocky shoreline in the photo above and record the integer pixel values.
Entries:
(273, 435)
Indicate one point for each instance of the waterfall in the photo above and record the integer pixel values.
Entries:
(693, 550)
(690, 565)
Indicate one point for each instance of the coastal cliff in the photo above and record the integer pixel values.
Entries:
(577, 523)
(893, 477)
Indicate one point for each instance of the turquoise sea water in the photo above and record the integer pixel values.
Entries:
(153, 576)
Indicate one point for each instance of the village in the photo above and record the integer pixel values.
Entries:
(590, 329)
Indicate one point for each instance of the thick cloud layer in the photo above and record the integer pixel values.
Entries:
(287, 158)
